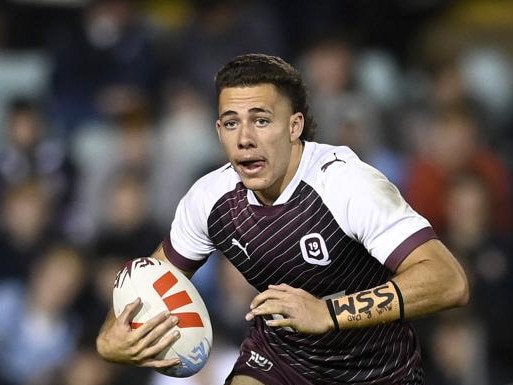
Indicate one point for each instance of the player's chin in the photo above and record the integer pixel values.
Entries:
(254, 183)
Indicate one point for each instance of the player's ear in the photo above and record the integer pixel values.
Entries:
(296, 125)
(218, 129)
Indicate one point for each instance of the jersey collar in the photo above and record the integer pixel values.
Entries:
(291, 187)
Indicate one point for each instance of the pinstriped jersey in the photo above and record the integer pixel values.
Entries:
(339, 226)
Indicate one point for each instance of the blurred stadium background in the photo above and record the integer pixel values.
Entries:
(107, 114)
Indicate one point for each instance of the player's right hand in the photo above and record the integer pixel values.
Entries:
(118, 342)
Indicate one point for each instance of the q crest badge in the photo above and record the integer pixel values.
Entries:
(313, 249)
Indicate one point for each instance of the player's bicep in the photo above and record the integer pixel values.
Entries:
(433, 252)
(431, 279)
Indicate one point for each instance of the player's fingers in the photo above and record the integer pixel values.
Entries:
(265, 296)
(249, 316)
(153, 344)
(279, 322)
(271, 306)
(130, 311)
(160, 364)
(259, 299)
(160, 345)
(155, 328)
(163, 329)
(167, 340)
(284, 288)
(151, 324)
(281, 287)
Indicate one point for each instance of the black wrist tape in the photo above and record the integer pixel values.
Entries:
(331, 309)
(401, 302)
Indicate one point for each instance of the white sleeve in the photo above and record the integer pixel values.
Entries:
(370, 209)
(189, 229)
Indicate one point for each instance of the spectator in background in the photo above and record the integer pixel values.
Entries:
(26, 227)
(219, 30)
(126, 228)
(110, 50)
(454, 147)
(487, 256)
(30, 153)
(457, 350)
(474, 346)
(448, 85)
(441, 84)
(187, 146)
(38, 327)
(125, 142)
(328, 65)
(346, 114)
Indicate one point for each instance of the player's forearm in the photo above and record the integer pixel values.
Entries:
(385, 303)
(365, 308)
(430, 280)
(101, 342)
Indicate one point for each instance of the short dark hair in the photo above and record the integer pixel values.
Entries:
(254, 69)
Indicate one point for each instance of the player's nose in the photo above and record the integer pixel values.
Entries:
(246, 138)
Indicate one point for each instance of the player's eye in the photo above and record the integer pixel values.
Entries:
(230, 124)
(261, 122)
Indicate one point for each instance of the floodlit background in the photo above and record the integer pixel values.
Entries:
(107, 115)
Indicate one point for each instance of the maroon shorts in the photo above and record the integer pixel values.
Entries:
(259, 361)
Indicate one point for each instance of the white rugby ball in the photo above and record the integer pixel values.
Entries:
(162, 287)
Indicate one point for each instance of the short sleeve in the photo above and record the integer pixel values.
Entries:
(189, 243)
(371, 210)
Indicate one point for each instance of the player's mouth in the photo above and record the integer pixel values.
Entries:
(251, 167)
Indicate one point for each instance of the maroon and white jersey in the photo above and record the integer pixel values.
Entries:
(339, 227)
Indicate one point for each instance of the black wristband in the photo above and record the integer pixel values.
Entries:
(401, 302)
(331, 309)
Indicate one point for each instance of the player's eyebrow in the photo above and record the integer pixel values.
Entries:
(260, 109)
(253, 110)
(227, 113)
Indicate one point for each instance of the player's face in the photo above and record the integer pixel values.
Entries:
(260, 135)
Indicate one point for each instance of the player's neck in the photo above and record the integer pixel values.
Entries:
(267, 198)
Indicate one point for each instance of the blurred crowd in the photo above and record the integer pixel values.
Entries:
(107, 112)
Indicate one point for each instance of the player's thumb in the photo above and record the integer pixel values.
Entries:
(130, 311)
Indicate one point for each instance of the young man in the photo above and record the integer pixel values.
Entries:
(340, 259)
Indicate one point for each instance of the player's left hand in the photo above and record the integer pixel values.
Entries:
(301, 310)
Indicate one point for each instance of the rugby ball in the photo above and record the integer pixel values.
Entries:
(162, 287)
